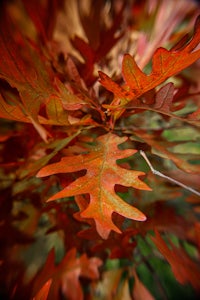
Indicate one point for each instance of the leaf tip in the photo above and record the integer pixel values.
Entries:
(102, 75)
(51, 199)
(143, 218)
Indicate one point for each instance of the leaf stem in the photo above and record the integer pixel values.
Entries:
(167, 177)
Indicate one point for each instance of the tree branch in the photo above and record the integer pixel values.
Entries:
(167, 177)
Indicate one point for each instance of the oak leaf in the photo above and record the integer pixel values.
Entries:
(41, 97)
(165, 101)
(65, 276)
(183, 267)
(103, 173)
(100, 38)
(165, 63)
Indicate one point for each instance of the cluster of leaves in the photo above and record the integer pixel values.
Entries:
(85, 85)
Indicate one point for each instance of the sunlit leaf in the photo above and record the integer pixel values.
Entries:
(165, 63)
(102, 175)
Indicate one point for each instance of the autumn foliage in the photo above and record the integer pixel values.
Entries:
(84, 87)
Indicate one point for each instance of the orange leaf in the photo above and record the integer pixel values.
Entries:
(184, 269)
(44, 291)
(102, 175)
(65, 276)
(165, 63)
(140, 292)
(11, 112)
(30, 73)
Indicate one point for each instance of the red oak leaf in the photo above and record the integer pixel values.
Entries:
(100, 38)
(165, 63)
(43, 16)
(29, 72)
(102, 175)
(185, 270)
(65, 276)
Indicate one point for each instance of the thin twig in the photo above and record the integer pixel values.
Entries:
(167, 177)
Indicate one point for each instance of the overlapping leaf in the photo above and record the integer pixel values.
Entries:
(102, 175)
(185, 270)
(31, 75)
(165, 63)
(166, 102)
(101, 39)
(160, 145)
(43, 16)
(65, 276)
(48, 87)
